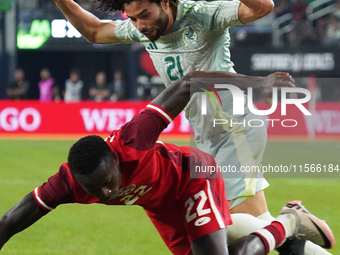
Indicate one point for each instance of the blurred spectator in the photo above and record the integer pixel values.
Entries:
(18, 89)
(100, 91)
(144, 88)
(117, 86)
(73, 87)
(299, 9)
(303, 32)
(336, 11)
(320, 30)
(281, 8)
(47, 87)
(332, 32)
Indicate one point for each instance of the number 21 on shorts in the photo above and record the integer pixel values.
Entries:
(199, 214)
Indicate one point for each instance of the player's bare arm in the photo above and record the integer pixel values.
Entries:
(93, 29)
(261, 85)
(251, 10)
(20, 217)
(176, 97)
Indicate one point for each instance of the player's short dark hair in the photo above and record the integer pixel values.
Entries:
(118, 5)
(86, 154)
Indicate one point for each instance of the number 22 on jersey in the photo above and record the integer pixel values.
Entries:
(190, 203)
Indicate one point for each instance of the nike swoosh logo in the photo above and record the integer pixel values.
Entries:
(324, 237)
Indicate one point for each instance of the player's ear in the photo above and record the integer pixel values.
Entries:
(115, 157)
(165, 4)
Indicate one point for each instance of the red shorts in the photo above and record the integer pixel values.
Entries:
(202, 209)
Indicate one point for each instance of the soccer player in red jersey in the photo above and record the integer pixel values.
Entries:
(131, 167)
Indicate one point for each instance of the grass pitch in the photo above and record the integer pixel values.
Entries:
(122, 230)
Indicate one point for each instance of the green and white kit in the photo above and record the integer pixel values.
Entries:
(200, 40)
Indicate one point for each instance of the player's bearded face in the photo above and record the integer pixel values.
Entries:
(149, 18)
(160, 25)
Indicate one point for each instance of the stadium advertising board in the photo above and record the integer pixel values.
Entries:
(300, 62)
(25, 117)
(33, 117)
(53, 32)
(49, 33)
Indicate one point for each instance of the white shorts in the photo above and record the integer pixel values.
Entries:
(236, 147)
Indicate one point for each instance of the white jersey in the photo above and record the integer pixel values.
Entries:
(199, 41)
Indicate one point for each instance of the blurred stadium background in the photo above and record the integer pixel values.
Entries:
(300, 37)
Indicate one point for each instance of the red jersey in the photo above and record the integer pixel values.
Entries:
(155, 175)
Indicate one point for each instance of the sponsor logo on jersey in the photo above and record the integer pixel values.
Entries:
(189, 37)
(202, 221)
(152, 46)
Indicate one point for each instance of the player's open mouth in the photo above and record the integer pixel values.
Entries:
(149, 33)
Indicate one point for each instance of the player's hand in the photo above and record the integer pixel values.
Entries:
(278, 80)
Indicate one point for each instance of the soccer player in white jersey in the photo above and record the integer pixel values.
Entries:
(188, 36)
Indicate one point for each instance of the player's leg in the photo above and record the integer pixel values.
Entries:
(244, 192)
(206, 216)
(243, 225)
(213, 244)
(198, 214)
(249, 151)
(295, 221)
(255, 205)
(247, 245)
(297, 246)
(169, 225)
(292, 246)
(233, 146)
(312, 249)
(236, 147)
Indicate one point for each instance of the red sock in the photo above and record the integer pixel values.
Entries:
(271, 235)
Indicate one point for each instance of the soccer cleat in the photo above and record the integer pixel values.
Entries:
(308, 226)
(292, 246)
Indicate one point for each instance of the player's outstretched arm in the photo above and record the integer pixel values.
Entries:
(261, 85)
(176, 97)
(21, 216)
(92, 28)
(251, 10)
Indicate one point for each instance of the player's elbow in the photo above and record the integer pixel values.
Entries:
(4, 220)
(6, 228)
(91, 38)
(266, 8)
(91, 34)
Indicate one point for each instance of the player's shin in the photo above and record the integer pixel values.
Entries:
(243, 225)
